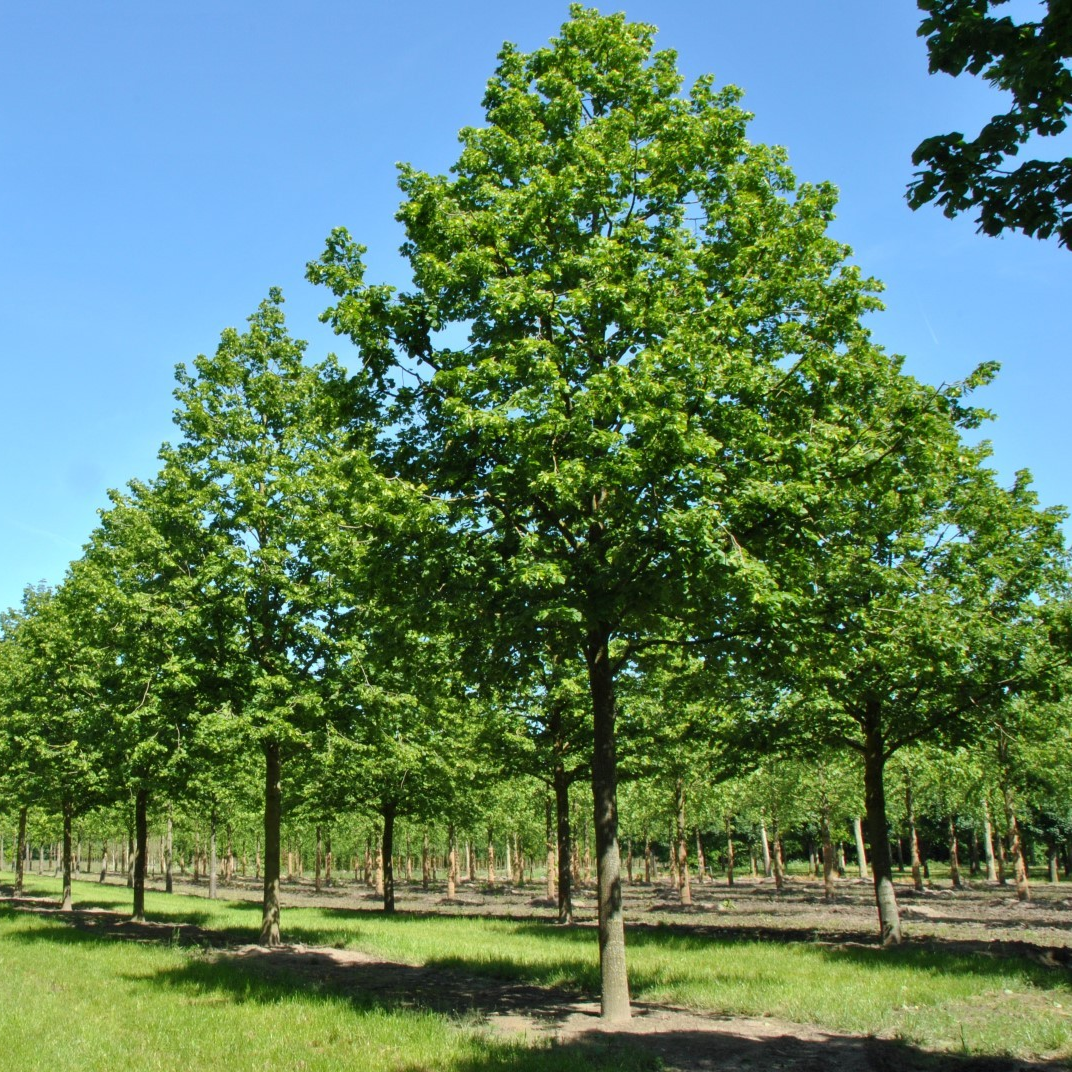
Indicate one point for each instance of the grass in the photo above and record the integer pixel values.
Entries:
(936, 999)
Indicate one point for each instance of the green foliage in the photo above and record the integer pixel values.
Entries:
(1029, 59)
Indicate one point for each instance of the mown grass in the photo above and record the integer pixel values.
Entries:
(936, 999)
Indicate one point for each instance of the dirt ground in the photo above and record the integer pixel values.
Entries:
(984, 918)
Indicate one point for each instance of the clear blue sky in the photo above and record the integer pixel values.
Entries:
(164, 164)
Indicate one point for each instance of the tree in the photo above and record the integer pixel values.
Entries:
(1030, 60)
(262, 439)
(664, 353)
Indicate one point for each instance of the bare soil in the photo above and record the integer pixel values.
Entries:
(983, 918)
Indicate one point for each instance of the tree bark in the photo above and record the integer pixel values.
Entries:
(67, 902)
(168, 854)
(20, 852)
(426, 862)
(729, 850)
(683, 845)
(913, 839)
(766, 849)
(1016, 849)
(319, 857)
(988, 843)
(452, 865)
(273, 812)
(213, 860)
(829, 887)
(861, 852)
(549, 837)
(954, 854)
(614, 982)
(388, 848)
(141, 850)
(565, 845)
(878, 829)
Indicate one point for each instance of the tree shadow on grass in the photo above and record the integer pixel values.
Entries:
(569, 1032)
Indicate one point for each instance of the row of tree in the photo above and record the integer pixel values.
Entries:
(621, 484)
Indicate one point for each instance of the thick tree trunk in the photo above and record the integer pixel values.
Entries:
(878, 830)
(388, 847)
(273, 814)
(565, 845)
(141, 850)
(861, 852)
(614, 982)
(683, 846)
(20, 852)
(67, 902)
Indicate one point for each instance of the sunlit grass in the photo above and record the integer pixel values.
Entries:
(944, 1000)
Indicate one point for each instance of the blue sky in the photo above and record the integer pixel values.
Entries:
(164, 164)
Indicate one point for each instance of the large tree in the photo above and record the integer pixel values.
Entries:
(629, 356)
(1029, 59)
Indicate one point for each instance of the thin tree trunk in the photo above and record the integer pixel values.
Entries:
(988, 843)
(67, 903)
(319, 857)
(168, 854)
(829, 888)
(861, 852)
(213, 861)
(141, 849)
(565, 845)
(729, 850)
(549, 837)
(426, 862)
(20, 852)
(387, 855)
(878, 829)
(1016, 849)
(1055, 876)
(766, 849)
(614, 982)
(273, 813)
(683, 846)
(452, 865)
(954, 854)
(913, 839)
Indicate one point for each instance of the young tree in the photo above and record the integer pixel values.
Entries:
(262, 438)
(664, 349)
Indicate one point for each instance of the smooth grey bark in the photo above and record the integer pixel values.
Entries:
(614, 983)
(141, 850)
(273, 810)
(889, 915)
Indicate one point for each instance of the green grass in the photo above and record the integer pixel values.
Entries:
(937, 999)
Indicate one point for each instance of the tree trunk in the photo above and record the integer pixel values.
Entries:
(426, 862)
(954, 854)
(683, 846)
(913, 839)
(168, 854)
(141, 850)
(20, 852)
(861, 852)
(729, 850)
(614, 982)
(387, 855)
(273, 814)
(1016, 849)
(829, 888)
(213, 860)
(878, 830)
(988, 843)
(128, 863)
(647, 859)
(549, 837)
(565, 845)
(319, 857)
(452, 865)
(701, 859)
(491, 860)
(67, 903)
(766, 849)
(1055, 876)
